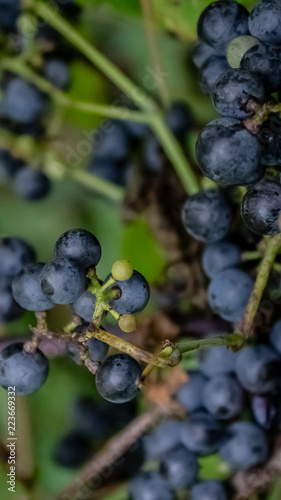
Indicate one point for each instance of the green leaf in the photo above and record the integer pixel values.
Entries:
(87, 84)
(275, 493)
(212, 467)
(142, 249)
(181, 16)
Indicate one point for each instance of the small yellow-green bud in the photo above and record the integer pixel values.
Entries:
(127, 323)
(121, 270)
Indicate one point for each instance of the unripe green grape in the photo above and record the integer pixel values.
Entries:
(238, 47)
(127, 323)
(121, 270)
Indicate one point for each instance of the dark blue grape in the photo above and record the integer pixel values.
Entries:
(201, 53)
(265, 62)
(264, 409)
(27, 289)
(202, 433)
(261, 207)
(222, 21)
(219, 256)
(211, 70)
(98, 350)
(21, 102)
(223, 397)
(208, 490)
(275, 336)
(9, 309)
(179, 467)
(15, 253)
(233, 90)
(265, 21)
(73, 450)
(149, 485)
(9, 12)
(277, 420)
(31, 184)
(62, 280)
(228, 154)
(270, 141)
(190, 393)
(163, 439)
(217, 361)
(111, 142)
(74, 352)
(84, 306)
(133, 294)
(79, 245)
(117, 378)
(258, 368)
(27, 372)
(245, 446)
(179, 119)
(206, 215)
(57, 72)
(229, 293)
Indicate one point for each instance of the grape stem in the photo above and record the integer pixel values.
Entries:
(272, 248)
(17, 65)
(41, 331)
(140, 98)
(134, 351)
(56, 168)
(165, 353)
(233, 340)
(251, 255)
(261, 114)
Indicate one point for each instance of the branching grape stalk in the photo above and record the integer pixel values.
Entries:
(272, 248)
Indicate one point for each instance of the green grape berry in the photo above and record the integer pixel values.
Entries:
(127, 323)
(237, 48)
(121, 270)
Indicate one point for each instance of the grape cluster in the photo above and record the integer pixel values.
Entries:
(238, 54)
(25, 110)
(230, 150)
(70, 279)
(216, 397)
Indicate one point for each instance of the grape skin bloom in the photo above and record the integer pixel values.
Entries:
(228, 154)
